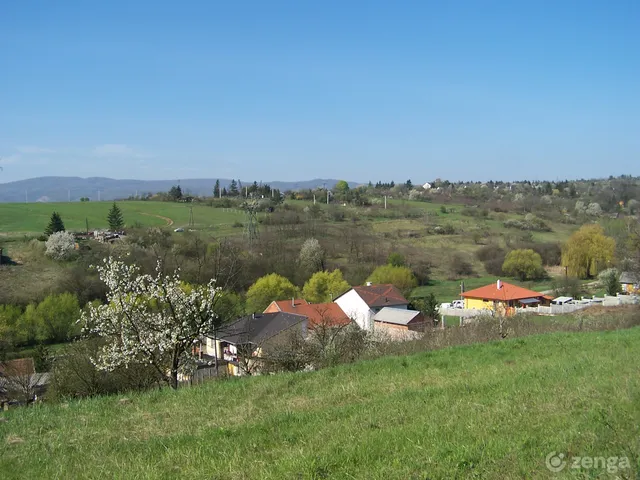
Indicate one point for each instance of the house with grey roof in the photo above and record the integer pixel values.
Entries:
(397, 321)
(243, 343)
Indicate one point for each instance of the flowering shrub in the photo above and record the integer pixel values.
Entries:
(150, 319)
(60, 245)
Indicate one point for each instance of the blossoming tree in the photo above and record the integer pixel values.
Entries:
(152, 319)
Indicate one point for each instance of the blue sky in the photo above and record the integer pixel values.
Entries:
(336, 89)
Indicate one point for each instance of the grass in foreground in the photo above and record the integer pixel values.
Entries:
(484, 411)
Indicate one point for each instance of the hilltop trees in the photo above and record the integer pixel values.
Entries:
(233, 189)
(55, 224)
(175, 193)
(149, 319)
(524, 264)
(588, 251)
(116, 222)
(216, 189)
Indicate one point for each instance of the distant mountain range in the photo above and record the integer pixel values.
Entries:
(62, 189)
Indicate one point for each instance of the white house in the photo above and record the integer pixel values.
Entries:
(427, 186)
(362, 303)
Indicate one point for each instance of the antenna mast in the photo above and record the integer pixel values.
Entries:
(251, 230)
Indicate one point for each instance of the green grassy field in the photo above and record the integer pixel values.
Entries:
(34, 217)
(483, 411)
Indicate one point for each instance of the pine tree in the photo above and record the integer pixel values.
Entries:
(55, 224)
(216, 189)
(115, 219)
(233, 188)
(224, 192)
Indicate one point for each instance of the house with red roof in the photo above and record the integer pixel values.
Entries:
(318, 314)
(503, 298)
(362, 303)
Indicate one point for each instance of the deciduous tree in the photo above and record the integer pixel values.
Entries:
(324, 286)
(401, 277)
(60, 245)
(524, 264)
(311, 256)
(588, 251)
(267, 289)
(153, 319)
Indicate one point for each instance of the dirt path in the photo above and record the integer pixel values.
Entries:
(166, 219)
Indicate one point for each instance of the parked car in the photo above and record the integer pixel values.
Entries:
(179, 229)
(445, 305)
(562, 301)
(457, 304)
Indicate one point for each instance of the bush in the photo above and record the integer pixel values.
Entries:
(460, 266)
(61, 246)
(492, 257)
(74, 375)
(532, 224)
(609, 279)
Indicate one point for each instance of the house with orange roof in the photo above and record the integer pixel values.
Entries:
(318, 314)
(362, 303)
(503, 298)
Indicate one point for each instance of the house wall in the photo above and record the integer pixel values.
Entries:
(357, 309)
(478, 303)
(209, 347)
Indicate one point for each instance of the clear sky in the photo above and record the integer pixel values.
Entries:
(275, 90)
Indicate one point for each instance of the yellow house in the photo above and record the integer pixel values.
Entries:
(503, 298)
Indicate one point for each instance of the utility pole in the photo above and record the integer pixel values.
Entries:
(314, 198)
(327, 197)
(385, 202)
(86, 222)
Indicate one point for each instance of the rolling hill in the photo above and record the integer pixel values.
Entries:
(62, 189)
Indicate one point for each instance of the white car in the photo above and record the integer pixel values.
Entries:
(445, 305)
(179, 229)
(457, 304)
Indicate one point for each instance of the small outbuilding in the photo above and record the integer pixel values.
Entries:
(399, 319)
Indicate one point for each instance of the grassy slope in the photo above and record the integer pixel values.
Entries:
(34, 217)
(483, 411)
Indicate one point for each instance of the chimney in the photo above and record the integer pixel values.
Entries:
(498, 284)
(369, 284)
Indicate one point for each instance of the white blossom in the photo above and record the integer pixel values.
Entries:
(151, 319)
(60, 245)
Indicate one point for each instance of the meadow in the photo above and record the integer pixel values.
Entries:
(491, 410)
(34, 217)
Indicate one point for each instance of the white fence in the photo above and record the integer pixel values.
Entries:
(464, 312)
(606, 301)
